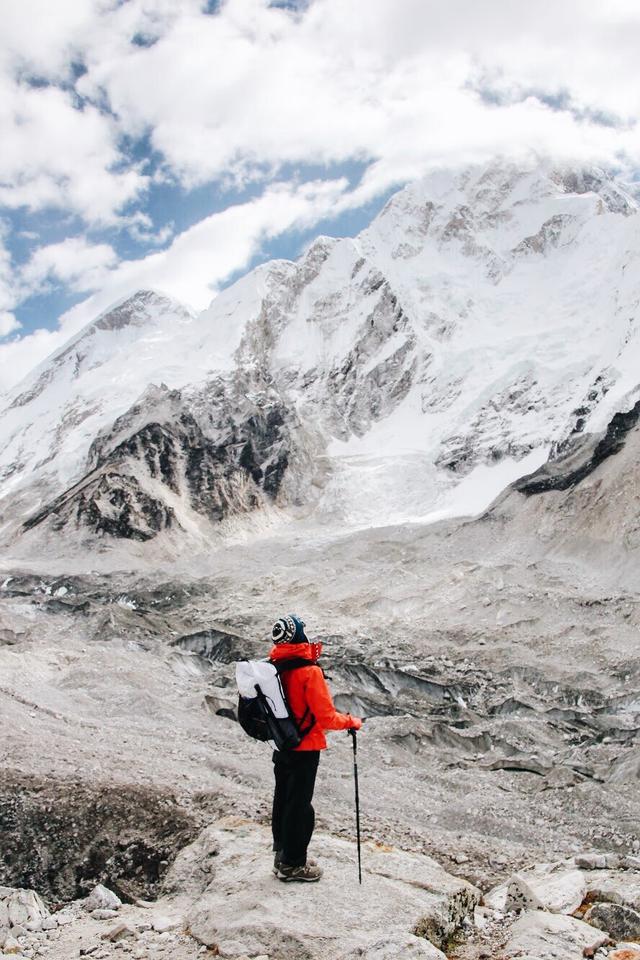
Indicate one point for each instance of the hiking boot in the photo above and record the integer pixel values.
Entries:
(309, 873)
(277, 860)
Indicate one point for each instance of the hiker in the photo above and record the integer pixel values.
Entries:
(310, 702)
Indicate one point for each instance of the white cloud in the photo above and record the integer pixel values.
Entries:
(8, 323)
(57, 151)
(56, 155)
(401, 85)
(200, 258)
(190, 269)
(81, 265)
(8, 299)
(256, 87)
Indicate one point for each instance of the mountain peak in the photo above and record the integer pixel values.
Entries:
(485, 315)
(132, 310)
(488, 189)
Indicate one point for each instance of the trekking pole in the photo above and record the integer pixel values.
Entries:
(352, 731)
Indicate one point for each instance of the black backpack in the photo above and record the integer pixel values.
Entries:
(263, 711)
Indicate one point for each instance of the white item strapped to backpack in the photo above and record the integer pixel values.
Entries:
(263, 711)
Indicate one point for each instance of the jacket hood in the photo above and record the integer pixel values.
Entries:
(295, 651)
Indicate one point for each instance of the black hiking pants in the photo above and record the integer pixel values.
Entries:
(293, 816)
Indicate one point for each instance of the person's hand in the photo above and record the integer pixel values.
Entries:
(356, 723)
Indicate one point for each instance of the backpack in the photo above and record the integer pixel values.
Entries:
(263, 711)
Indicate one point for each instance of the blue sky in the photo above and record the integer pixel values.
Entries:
(177, 143)
(174, 208)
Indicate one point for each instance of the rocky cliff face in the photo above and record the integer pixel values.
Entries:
(584, 502)
(485, 319)
(166, 463)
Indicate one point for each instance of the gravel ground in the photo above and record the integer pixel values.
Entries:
(503, 693)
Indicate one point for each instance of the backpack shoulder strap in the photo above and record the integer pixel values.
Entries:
(295, 663)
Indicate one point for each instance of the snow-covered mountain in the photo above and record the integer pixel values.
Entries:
(485, 319)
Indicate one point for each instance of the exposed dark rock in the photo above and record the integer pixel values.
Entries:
(460, 453)
(128, 513)
(217, 645)
(131, 310)
(245, 459)
(362, 397)
(563, 473)
(221, 706)
(28, 395)
(619, 921)
(61, 837)
(517, 764)
(108, 503)
(594, 180)
(441, 930)
(547, 236)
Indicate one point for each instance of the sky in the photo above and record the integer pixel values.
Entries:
(174, 144)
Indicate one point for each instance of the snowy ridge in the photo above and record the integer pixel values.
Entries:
(485, 319)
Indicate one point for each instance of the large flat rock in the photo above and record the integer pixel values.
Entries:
(246, 910)
(615, 886)
(537, 935)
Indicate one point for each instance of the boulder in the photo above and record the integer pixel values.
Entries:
(193, 869)
(21, 912)
(104, 914)
(25, 906)
(538, 935)
(520, 896)
(163, 924)
(221, 706)
(65, 916)
(4, 921)
(121, 931)
(613, 886)
(619, 921)
(248, 911)
(559, 888)
(101, 898)
(11, 946)
(390, 948)
(591, 861)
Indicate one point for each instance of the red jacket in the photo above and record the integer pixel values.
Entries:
(305, 687)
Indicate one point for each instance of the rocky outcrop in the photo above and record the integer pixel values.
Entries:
(584, 502)
(558, 888)
(538, 936)
(61, 837)
(149, 476)
(237, 915)
(563, 472)
(619, 921)
(220, 896)
(21, 912)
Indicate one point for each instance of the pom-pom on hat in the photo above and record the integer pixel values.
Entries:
(289, 629)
